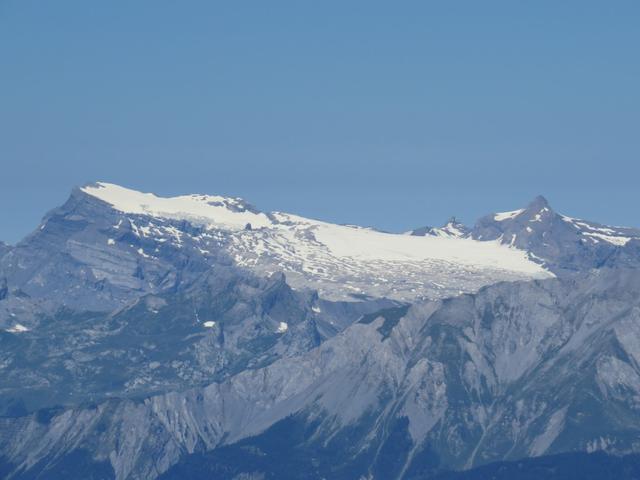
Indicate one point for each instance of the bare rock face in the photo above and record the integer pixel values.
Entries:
(561, 242)
(516, 370)
(87, 256)
(144, 344)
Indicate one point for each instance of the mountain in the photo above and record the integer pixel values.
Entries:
(228, 322)
(108, 245)
(338, 261)
(562, 242)
(198, 337)
(518, 369)
(452, 229)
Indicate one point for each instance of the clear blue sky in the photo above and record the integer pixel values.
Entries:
(393, 114)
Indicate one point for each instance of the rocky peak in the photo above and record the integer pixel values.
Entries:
(538, 203)
(453, 228)
(561, 242)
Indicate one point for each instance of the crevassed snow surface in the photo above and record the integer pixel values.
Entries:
(372, 245)
(339, 261)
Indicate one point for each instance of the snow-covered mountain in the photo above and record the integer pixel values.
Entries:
(144, 337)
(337, 260)
(108, 245)
(560, 243)
(565, 243)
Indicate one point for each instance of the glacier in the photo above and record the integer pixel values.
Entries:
(196, 336)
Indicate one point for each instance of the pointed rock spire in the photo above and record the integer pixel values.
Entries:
(538, 204)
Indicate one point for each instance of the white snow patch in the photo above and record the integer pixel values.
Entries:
(600, 443)
(499, 217)
(620, 241)
(111, 241)
(177, 234)
(283, 327)
(598, 232)
(200, 209)
(17, 328)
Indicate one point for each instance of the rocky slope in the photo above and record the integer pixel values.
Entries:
(519, 369)
(563, 244)
(227, 322)
(149, 338)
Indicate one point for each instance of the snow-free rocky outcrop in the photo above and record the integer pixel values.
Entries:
(516, 370)
(144, 337)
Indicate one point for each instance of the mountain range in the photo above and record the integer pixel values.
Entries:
(144, 337)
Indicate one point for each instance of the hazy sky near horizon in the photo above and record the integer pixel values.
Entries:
(391, 114)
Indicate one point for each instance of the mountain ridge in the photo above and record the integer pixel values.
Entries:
(87, 254)
(450, 368)
(134, 341)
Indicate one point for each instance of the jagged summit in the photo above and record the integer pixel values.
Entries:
(561, 242)
(538, 203)
(536, 209)
(452, 229)
(538, 206)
